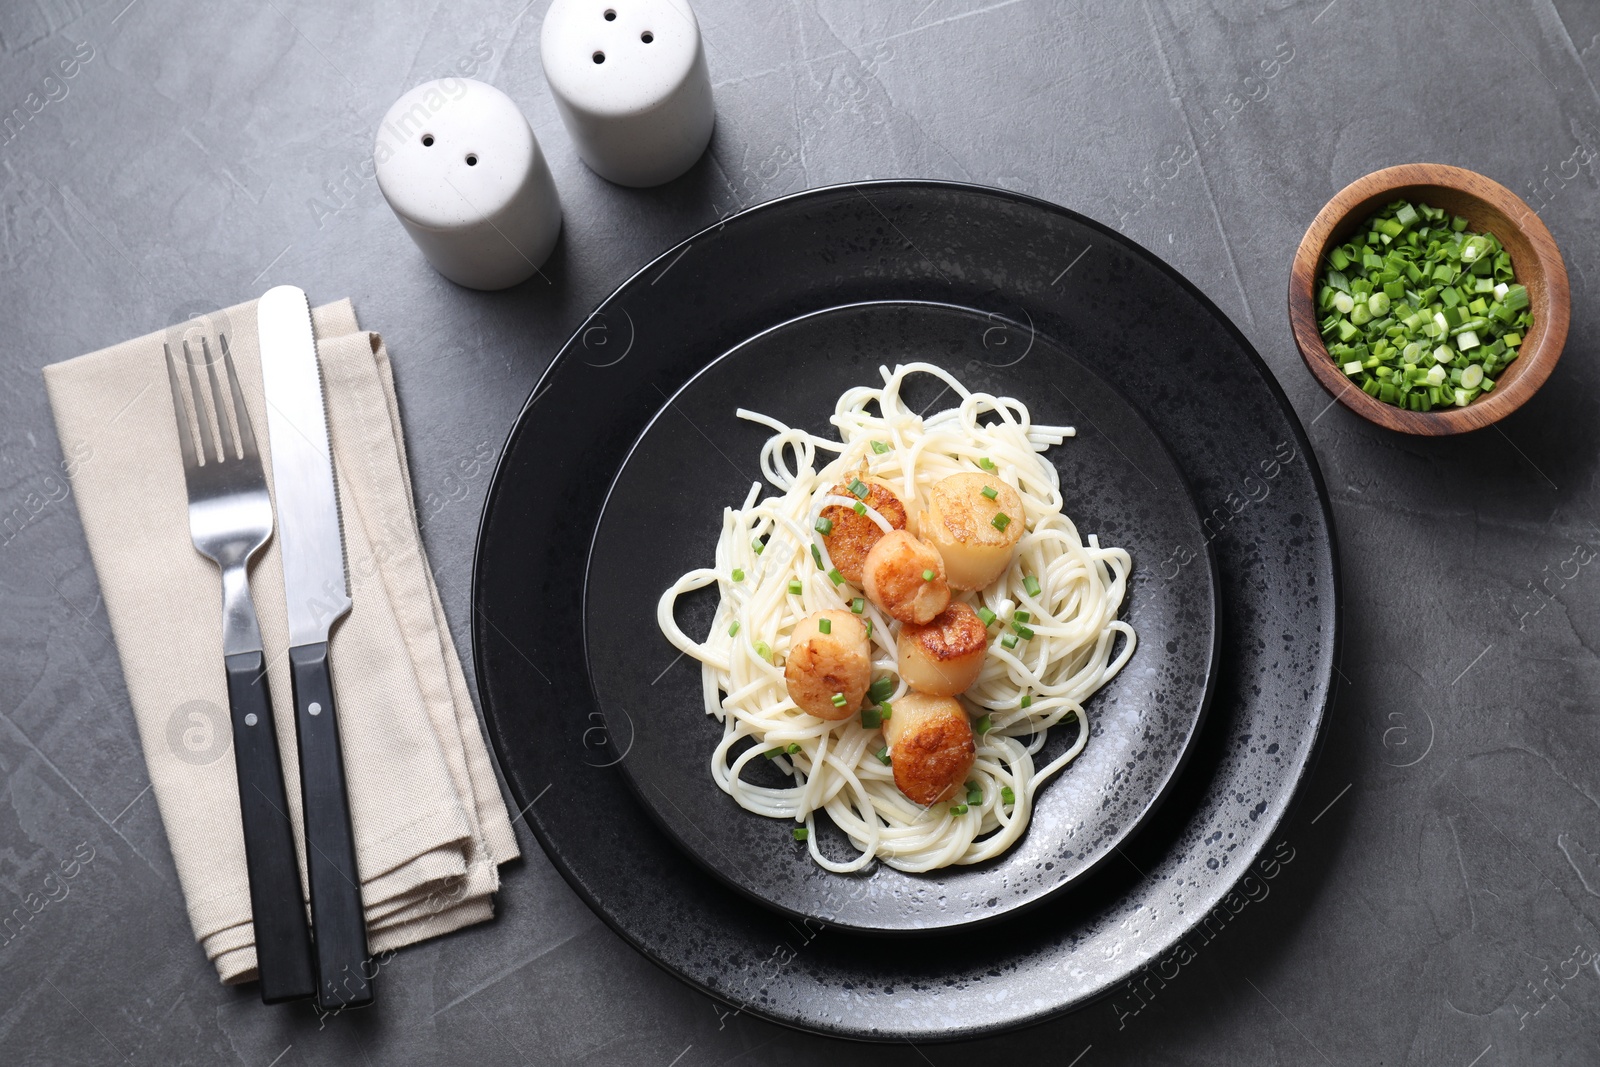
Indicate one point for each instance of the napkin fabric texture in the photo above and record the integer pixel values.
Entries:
(430, 824)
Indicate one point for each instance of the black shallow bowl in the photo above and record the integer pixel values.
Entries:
(1133, 321)
(664, 514)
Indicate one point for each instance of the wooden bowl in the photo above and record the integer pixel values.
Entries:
(1487, 206)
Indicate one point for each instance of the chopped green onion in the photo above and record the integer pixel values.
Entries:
(835, 577)
(880, 447)
(987, 616)
(824, 526)
(800, 833)
(1411, 282)
(733, 630)
(1009, 641)
(758, 546)
(883, 755)
(764, 650)
(990, 491)
(795, 587)
(984, 724)
(858, 605)
(1022, 616)
(824, 626)
(1007, 797)
(1031, 584)
(839, 700)
(974, 794)
(887, 709)
(928, 576)
(1027, 700)
(773, 753)
(987, 464)
(1000, 521)
(871, 718)
(816, 554)
(869, 627)
(794, 747)
(959, 809)
(879, 690)
(1022, 631)
(859, 508)
(738, 574)
(859, 489)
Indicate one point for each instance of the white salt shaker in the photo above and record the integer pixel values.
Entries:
(629, 79)
(460, 167)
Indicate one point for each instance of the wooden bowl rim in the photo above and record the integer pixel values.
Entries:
(1484, 411)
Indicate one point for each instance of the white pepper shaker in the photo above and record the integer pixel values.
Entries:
(461, 168)
(629, 79)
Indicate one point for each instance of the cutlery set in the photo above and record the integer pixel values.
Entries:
(230, 519)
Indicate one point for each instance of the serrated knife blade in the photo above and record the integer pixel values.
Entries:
(311, 544)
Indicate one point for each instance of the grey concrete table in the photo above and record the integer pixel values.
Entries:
(1443, 905)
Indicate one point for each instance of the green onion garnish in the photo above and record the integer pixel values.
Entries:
(816, 554)
(733, 629)
(959, 809)
(887, 709)
(800, 833)
(984, 724)
(824, 526)
(974, 794)
(859, 508)
(880, 447)
(1009, 640)
(987, 464)
(795, 587)
(758, 546)
(835, 577)
(871, 718)
(869, 627)
(990, 491)
(1022, 616)
(987, 616)
(838, 700)
(858, 605)
(1412, 290)
(883, 755)
(859, 489)
(1007, 797)
(1000, 521)
(824, 626)
(738, 574)
(764, 650)
(773, 753)
(794, 747)
(1031, 584)
(879, 690)
(928, 576)
(1027, 700)
(1022, 631)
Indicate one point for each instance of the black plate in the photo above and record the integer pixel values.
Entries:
(1138, 325)
(662, 518)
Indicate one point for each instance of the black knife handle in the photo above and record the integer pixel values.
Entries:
(344, 978)
(283, 944)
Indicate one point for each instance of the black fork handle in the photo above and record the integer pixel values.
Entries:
(344, 978)
(283, 943)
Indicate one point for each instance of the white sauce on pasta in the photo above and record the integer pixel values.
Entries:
(1074, 650)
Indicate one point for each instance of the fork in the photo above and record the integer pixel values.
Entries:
(230, 518)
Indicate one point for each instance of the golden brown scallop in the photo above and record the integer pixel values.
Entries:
(905, 577)
(960, 521)
(944, 657)
(822, 665)
(930, 747)
(854, 535)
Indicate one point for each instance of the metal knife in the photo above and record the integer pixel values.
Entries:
(315, 591)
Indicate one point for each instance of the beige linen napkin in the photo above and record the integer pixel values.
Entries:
(431, 826)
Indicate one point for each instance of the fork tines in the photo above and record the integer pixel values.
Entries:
(222, 442)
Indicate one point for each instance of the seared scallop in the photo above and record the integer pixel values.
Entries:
(930, 747)
(975, 521)
(905, 577)
(853, 535)
(829, 665)
(943, 657)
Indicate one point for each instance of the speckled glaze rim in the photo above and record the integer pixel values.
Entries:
(1316, 709)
